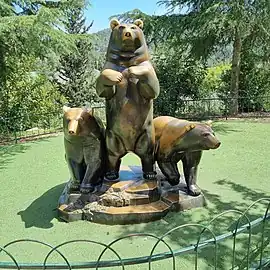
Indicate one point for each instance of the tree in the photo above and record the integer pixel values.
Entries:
(76, 73)
(254, 81)
(31, 37)
(212, 82)
(208, 25)
(32, 98)
(180, 78)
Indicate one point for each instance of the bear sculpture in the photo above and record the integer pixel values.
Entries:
(129, 84)
(85, 150)
(182, 140)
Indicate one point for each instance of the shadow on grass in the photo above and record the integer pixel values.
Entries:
(187, 236)
(42, 211)
(245, 192)
(224, 128)
(8, 152)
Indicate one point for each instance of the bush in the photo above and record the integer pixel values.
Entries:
(28, 97)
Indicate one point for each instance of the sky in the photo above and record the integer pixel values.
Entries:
(101, 10)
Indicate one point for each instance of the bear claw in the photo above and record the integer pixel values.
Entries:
(86, 190)
(174, 181)
(74, 186)
(111, 176)
(194, 191)
(149, 175)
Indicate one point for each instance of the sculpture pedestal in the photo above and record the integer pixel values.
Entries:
(129, 200)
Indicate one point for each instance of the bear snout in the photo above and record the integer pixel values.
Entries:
(73, 127)
(217, 145)
(127, 34)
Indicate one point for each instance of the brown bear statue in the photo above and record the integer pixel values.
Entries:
(129, 84)
(85, 150)
(182, 140)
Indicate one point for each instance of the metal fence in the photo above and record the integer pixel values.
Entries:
(253, 258)
(220, 108)
(215, 108)
(17, 129)
(14, 129)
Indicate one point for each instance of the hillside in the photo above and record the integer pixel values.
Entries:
(101, 40)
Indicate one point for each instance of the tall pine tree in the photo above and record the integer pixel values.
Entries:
(76, 74)
(31, 33)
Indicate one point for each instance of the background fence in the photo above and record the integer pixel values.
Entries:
(220, 108)
(14, 129)
(253, 255)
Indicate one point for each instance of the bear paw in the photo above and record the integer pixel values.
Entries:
(111, 77)
(193, 190)
(75, 185)
(87, 189)
(138, 71)
(174, 181)
(91, 188)
(149, 175)
(112, 175)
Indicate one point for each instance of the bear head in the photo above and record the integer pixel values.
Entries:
(127, 42)
(200, 136)
(77, 121)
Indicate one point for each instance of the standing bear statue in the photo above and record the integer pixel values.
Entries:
(129, 84)
(85, 149)
(182, 140)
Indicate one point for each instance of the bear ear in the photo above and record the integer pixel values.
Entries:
(190, 127)
(209, 123)
(89, 111)
(113, 23)
(139, 23)
(66, 108)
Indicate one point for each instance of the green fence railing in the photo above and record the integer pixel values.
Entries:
(253, 258)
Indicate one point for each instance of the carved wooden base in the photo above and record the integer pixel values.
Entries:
(130, 200)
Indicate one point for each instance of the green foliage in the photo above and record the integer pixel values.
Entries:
(28, 97)
(31, 41)
(180, 78)
(254, 82)
(76, 73)
(208, 26)
(212, 83)
(100, 45)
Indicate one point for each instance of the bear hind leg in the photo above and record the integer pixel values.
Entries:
(170, 171)
(92, 178)
(77, 172)
(144, 148)
(190, 165)
(115, 150)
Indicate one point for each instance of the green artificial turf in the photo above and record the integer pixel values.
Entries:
(33, 176)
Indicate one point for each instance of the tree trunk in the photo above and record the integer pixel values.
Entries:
(234, 93)
(4, 97)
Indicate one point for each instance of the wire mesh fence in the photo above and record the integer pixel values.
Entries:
(253, 256)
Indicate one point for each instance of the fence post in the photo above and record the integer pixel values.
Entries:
(226, 108)
(16, 138)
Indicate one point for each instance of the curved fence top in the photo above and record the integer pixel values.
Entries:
(259, 255)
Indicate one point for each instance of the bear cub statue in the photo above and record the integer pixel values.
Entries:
(129, 84)
(182, 140)
(85, 150)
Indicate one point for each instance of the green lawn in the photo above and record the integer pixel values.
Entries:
(34, 174)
